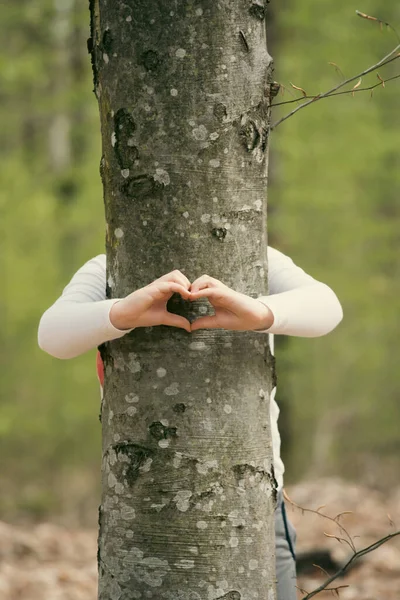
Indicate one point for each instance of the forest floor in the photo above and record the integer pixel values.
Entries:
(49, 562)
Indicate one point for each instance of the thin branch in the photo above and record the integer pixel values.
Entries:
(394, 54)
(365, 89)
(348, 540)
(355, 557)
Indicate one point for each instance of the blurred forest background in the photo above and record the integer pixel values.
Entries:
(334, 206)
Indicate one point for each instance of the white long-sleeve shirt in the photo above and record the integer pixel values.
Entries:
(79, 320)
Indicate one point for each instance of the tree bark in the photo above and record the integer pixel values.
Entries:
(188, 485)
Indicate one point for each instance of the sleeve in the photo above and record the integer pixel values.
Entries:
(301, 305)
(80, 319)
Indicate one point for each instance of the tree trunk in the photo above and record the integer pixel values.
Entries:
(188, 486)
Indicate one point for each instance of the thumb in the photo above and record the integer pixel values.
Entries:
(210, 322)
(176, 321)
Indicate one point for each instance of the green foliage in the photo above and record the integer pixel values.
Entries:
(333, 208)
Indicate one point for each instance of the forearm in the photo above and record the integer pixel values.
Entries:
(68, 329)
(310, 311)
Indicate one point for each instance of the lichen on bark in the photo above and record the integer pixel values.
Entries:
(187, 465)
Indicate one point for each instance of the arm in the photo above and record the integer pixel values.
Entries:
(301, 305)
(82, 318)
(298, 305)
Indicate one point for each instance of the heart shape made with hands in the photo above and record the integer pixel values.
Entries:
(147, 306)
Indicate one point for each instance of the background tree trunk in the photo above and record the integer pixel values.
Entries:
(188, 485)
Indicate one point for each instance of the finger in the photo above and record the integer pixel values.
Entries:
(176, 276)
(176, 321)
(210, 293)
(203, 282)
(210, 322)
(166, 288)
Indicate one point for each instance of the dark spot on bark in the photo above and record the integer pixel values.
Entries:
(139, 187)
(161, 432)
(231, 595)
(249, 135)
(274, 88)
(125, 150)
(100, 530)
(179, 408)
(220, 111)
(258, 10)
(150, 60)
(89, 44)
(107, 41)
(137, 456)
(219, 233)
(101, 168)
(244, 41)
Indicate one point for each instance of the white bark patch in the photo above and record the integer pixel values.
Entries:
(112, 481)
(201, 525)
(131, 410)
(172, 390)
(125, 173)
(182, 499)
(209, 401)
(131, 397)
(199, 12)
(214, 163)
(193, 550)
(258, 204)
(253, 564)
(112, 457)
(164, 443)
(214, 136)
(197, 346)
(133, 364)
(204, 466)
(128, 19)
(233, 542)
(157, 507)
(185, 563)
(127, 513)
(227, 409)
(149, 570)
(145, 468)
(113, 139)
(173, 92)
(119, 233)
(162, 176)
(110, 417)
(106, 58)
(180, 53)
(205, 218)
(177, 460)
(235, 519)
(119, 488)
(185, 214)
(161, 372)
(200, 133)
(129, 534)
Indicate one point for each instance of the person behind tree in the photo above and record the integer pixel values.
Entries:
(298, 305)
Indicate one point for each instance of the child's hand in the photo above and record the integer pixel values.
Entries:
(148, 306)
(233, 310)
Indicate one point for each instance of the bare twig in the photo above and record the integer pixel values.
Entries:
(393, 55)
(364, 89)
(348, 539)
(356, 556)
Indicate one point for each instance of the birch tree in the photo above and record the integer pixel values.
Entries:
(188, 489)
